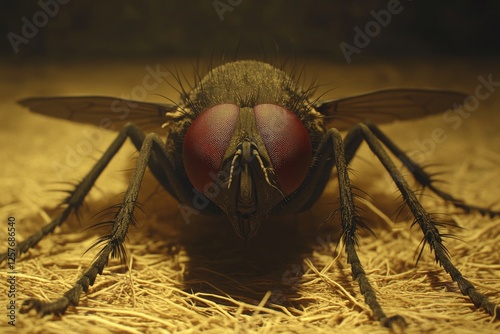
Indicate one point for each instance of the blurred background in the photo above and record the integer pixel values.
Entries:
(75, 29)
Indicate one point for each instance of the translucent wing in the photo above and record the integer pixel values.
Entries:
(387, 105)
(101, 110)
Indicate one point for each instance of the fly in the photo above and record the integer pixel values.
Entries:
(254, 144)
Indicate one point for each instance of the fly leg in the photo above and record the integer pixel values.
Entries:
(160, 164)
(422, 177)
(331, 153)
(350, 223)
(427, 224)
(113, 242)
(77, 195)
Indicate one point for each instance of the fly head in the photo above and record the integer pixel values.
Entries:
(247, 154)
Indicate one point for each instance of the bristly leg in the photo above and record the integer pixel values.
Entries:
(113, 242)
(77, 196)
(429, 227)
(421, 176)
(350, 222)
(159, 164)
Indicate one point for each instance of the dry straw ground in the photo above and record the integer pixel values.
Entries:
(199, 277)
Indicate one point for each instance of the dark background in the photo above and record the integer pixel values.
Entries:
(154, 28)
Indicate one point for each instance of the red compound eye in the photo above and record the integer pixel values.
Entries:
(206, 142)
(287, 143)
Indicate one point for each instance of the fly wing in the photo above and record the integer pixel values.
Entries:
(101, 110)
(387, 105)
